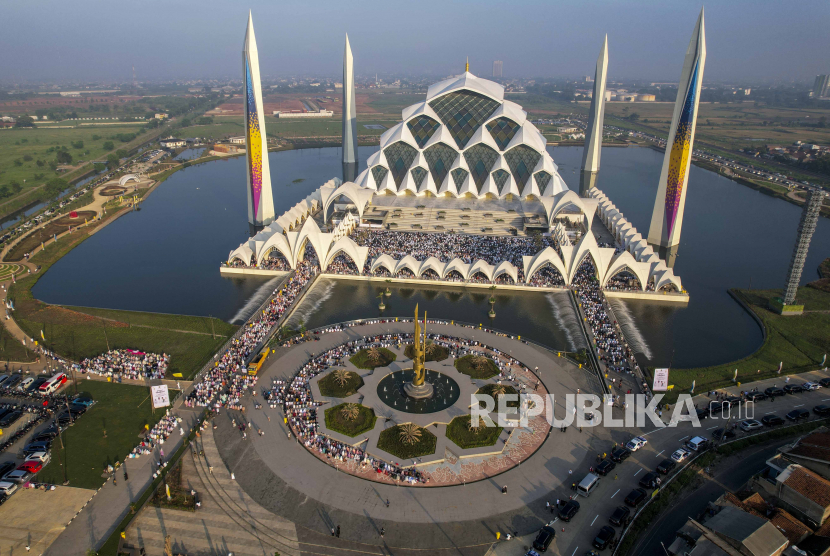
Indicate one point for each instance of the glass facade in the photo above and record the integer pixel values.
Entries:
(463, 112)
(419, 174)
(503, 130)
(522, 160)
(480, 159)
(542, 181)
(500, 177)
(458, 176)
(399, 156)
(422, 128)
(440, 158)
(379, 173)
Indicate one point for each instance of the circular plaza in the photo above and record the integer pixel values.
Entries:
(296, 456)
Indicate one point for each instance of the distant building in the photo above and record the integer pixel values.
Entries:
(161, 115)
(497, 68)
(566, 129)
(172, 143)
(237, 140)
(646, 98)
(318, 114)
(227, 149)
(821, 85)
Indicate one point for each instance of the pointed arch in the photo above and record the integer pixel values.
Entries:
(546, 276)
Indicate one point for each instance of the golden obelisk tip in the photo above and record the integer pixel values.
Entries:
(467, 65)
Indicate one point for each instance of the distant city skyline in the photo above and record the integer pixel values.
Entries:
(749, 41)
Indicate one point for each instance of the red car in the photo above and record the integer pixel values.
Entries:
(31, 466)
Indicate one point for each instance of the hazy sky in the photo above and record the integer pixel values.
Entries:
(101, 40)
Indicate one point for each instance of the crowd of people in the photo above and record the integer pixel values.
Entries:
(156, 436)
(120, 364)
(225, 383)
(612, 351)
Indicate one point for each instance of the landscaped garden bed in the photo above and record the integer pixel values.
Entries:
(371, 358)
(407, 441)
(340, 384)
(477, 366)
(350, 419)
(460, 432)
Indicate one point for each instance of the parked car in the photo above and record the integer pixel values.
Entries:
(544, 538)
(7, 488)
(9, 418)
(825, 382)
(35, 386)
(798, 415)
(6, 467)
(680, 455)
(810, 386)
(31, 466)
(756, 396)
(773, 392)
(697, 443)
(772, 420)
(83, 401)
(635, 497)
(42, 446)
(569, 510)
(793, 389)
(620, 516)
(702, 413)
(42, 457)
(604, 537)
(720, 434)
(17, 476)
(3, 380)
(750, 425)
(650, 480)
(620, 454)
(822, 409)
(605, 466)
(25, 383)
(636, 443)
(666, 466)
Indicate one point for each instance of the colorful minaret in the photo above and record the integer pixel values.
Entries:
(260, 197)
(593, 131)
(349, 116)
(667, 218)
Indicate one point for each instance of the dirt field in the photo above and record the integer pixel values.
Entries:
(29, 242)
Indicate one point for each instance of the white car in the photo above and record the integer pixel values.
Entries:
(636, 443)
(811, 386)
(751, 425)
(42, 457)
(25, 383)
(17, 476)
(7, 488)
(680, 455)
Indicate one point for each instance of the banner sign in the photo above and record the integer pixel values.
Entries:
(661, 380)
(160, 396)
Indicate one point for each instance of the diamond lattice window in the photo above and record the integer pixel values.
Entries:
(522, 160)
(440, 158)
(503, 130)
(379, 173)
(422, 128)
(480, 159)
(542, 181)
(458, 176)
(463, 112)
(500, 177)
(418, 174)
(399, 156)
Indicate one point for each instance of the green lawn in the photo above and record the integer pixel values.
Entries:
(120, 410)
(363, 360)
(329, 386)
(13, 350)
(477, 366)
(390, 442)
(336, 421)
(460, 433)
(799, 342)
(433, 352)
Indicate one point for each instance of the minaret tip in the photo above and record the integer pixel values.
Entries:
(467, 65)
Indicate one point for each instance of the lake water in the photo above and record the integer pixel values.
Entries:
(165, 258)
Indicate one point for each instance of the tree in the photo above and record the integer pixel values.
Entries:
(410, 433)
(108, 145)
(112, 160)
(634, 117)
(18, 162)
(27, 157)
(64, 157)
(4, 191)
(350, 411)
(342, 376)
(39, 163)
(78, 144)
(55, 187)
(16, 187)
(96, 137)
(25, 121)
(99, 167)
(121, 153)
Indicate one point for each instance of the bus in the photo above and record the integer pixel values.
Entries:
(256, 363)
(52, 384)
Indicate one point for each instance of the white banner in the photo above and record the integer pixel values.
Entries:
(160, 396)
(661, 380)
